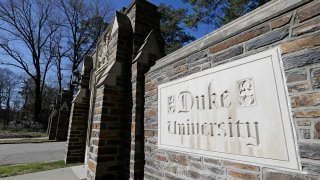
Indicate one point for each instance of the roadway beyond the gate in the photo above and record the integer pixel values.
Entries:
(31, 152)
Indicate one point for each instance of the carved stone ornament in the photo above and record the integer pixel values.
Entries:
(246, 93)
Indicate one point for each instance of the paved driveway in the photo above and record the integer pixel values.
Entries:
(31, 152)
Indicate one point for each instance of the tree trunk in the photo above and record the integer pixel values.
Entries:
(7, 117)
(38, 101)
(59, 74)
(71, 86)
(59, 81)
(1, 97)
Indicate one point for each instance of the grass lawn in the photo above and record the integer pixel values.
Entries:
(24, 133)
(14, 170)
(27, 140)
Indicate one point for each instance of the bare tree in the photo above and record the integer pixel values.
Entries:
(8, 87)
(26, 27)
(2, 94)
(82, 27)
(2, 86)
(55, 52)
(11, 86)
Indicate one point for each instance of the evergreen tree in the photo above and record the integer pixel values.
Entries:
(173, 27)
(175, 21)
(219, 12)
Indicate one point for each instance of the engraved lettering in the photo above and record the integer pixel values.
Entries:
(186, 100)
(228, 128)
(197, 100)
(221, 131)
(205, 130)
(188, 127)
(170, 130)
(225, 99)
(212, 97)
(246, 131)
(254, 139)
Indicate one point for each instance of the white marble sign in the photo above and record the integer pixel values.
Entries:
(238, 111)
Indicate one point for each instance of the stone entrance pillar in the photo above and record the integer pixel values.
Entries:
(125, 52)
(77, 133)
(59, 118)
(148, 46)
(112, 102)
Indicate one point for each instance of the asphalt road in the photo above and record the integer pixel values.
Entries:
(31, 152)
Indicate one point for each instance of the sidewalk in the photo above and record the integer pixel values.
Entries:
(70, 173)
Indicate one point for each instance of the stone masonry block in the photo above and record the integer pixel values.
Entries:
(208, 177)
(303, 122)
(150, 86)
(309, 27)
(200, 62)
(298, 44)
(281, 21)
(179, 63)
(245, 36)
(315, 78)
(92, 166)
(229, 53)
(171, 177)
(197, 56)
(295, 76)
(195, 158)
(305, 133)
(194, 70)
(308, 11)
(196, 165)
(305, 100)
(241, 175)
(317, 130)
(178, 70)
(301, 59)
(193, 174)
(309, 166)
(268, 38)
(161, 157)
(310, 150)
(307, 114)
(229, 164)
(181, 159)
(299, 87)
(215, 170)
(150, 113)
(213, 161)
(276, 175)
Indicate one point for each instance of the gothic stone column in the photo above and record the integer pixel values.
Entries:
(77, 133)
(52, 125)
(109, 153)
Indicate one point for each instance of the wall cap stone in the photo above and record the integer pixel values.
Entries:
(262, 14)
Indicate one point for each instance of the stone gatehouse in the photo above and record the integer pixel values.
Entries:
(240, 103)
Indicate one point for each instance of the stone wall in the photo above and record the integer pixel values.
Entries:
(294, 26)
